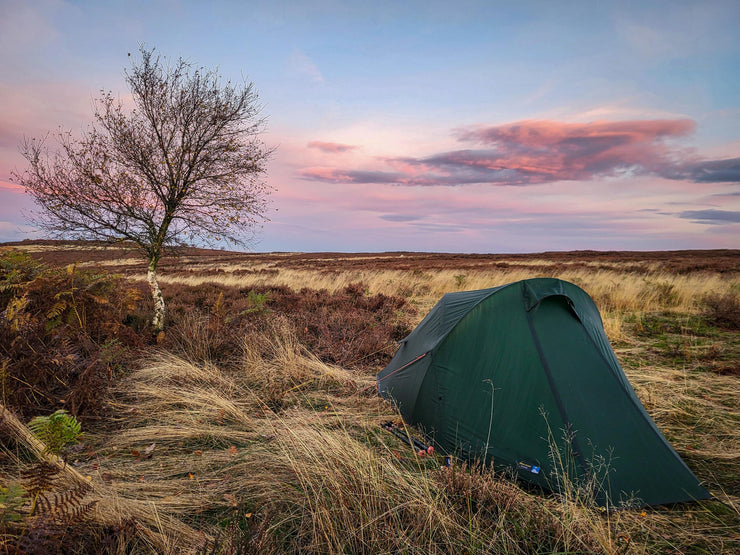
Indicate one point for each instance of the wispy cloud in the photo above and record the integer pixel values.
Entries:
(712, 216)
(335, 175)
(712, 171)
(333, 148)
(400, 217)
(682, 31)
(534, 152)
(24, 25)
(11, 187)
(305, 66)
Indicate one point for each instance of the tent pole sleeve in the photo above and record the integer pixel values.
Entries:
(402, 367)
(558, 400)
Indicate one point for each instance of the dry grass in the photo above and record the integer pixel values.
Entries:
(290, 448)
(282, 453)
(156, 531)
(613, 290)
(303, 470)
(271, 450)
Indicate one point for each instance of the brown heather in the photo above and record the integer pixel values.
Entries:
(253, 427)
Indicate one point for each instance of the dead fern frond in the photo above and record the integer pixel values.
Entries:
(75, 514)
(56, 310)
(39, 478)
(66, 503)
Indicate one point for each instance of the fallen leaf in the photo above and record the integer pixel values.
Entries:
(231, 499)
(149, 450)
(248, 515)
(135, 453)
(232, 450)
(198, 453)
(191, 476)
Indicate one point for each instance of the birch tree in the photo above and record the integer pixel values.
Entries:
(181, 161)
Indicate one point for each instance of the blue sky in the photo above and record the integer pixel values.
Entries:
(442, 126)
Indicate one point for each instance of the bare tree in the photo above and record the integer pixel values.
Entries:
(185, 161)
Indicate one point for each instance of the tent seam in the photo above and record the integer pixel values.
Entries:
(556, 394)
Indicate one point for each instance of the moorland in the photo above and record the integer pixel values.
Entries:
(252, 424)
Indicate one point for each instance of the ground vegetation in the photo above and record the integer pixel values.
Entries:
(254, 426)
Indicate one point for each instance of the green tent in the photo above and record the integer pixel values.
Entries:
(523, 376)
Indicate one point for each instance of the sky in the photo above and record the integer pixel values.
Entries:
(466, 126)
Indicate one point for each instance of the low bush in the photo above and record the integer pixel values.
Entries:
(349, 327)
(723, 309)
(63, 335)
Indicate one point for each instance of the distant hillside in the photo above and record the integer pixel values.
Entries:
(125, 256)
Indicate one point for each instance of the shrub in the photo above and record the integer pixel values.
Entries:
(723, 309)
(63, 334)
(348, 327)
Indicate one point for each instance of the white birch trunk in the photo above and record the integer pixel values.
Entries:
(151, 277)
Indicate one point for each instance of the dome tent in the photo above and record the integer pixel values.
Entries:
(523, 376)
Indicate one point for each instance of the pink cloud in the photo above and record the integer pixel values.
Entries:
(334, 148)
(374, 213)
(12, 187)
(327, 174)
(336, 175)
(548, 150)
(532, 152)
(541, 133)
(451, 219)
